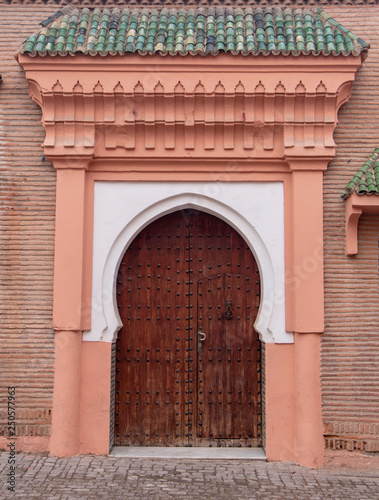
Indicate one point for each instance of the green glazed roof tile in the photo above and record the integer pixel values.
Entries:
(366, 180)
(204, 30)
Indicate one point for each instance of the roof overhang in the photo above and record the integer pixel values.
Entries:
(356, 205)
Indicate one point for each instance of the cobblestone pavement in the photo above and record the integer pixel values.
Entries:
(92, 477)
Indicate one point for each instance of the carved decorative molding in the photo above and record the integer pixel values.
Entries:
(213, 108)
(188, 119)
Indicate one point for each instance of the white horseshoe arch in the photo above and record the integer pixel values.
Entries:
(255, 210)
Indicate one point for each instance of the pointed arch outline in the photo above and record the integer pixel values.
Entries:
(270, 321)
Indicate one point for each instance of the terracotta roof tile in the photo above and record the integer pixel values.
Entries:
(366, 180)
(202, 30)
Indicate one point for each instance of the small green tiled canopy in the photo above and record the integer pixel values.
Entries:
(202, 31)
(366, 181)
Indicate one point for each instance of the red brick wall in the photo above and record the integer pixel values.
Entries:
(350, 349)
(27, 206)
(350, 354)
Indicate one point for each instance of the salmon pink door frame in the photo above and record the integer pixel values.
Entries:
(221, 120)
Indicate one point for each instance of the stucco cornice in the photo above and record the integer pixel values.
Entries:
(226, 106)
(229, 62)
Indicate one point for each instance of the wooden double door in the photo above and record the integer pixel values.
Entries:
(188, 357)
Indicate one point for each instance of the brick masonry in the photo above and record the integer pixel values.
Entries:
(350, 347)
(27, 213)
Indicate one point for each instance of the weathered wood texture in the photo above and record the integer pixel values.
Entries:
(171, 388)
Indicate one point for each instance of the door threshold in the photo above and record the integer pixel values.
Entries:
(216, 453)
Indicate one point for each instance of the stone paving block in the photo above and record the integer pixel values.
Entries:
(149, 479)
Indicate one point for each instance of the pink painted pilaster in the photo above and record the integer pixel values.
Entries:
(69, 229)
(307, 294)
(294, 430)
(309, 428)
(307, 274)
(280, 402)
(65, 437)
(67, 310)
(95, 397)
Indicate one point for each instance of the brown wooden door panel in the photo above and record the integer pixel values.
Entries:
(163, 384)
(228, 386)
(153, 295)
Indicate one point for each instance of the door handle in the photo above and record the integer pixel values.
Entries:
(201, 336)
(228, 313)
